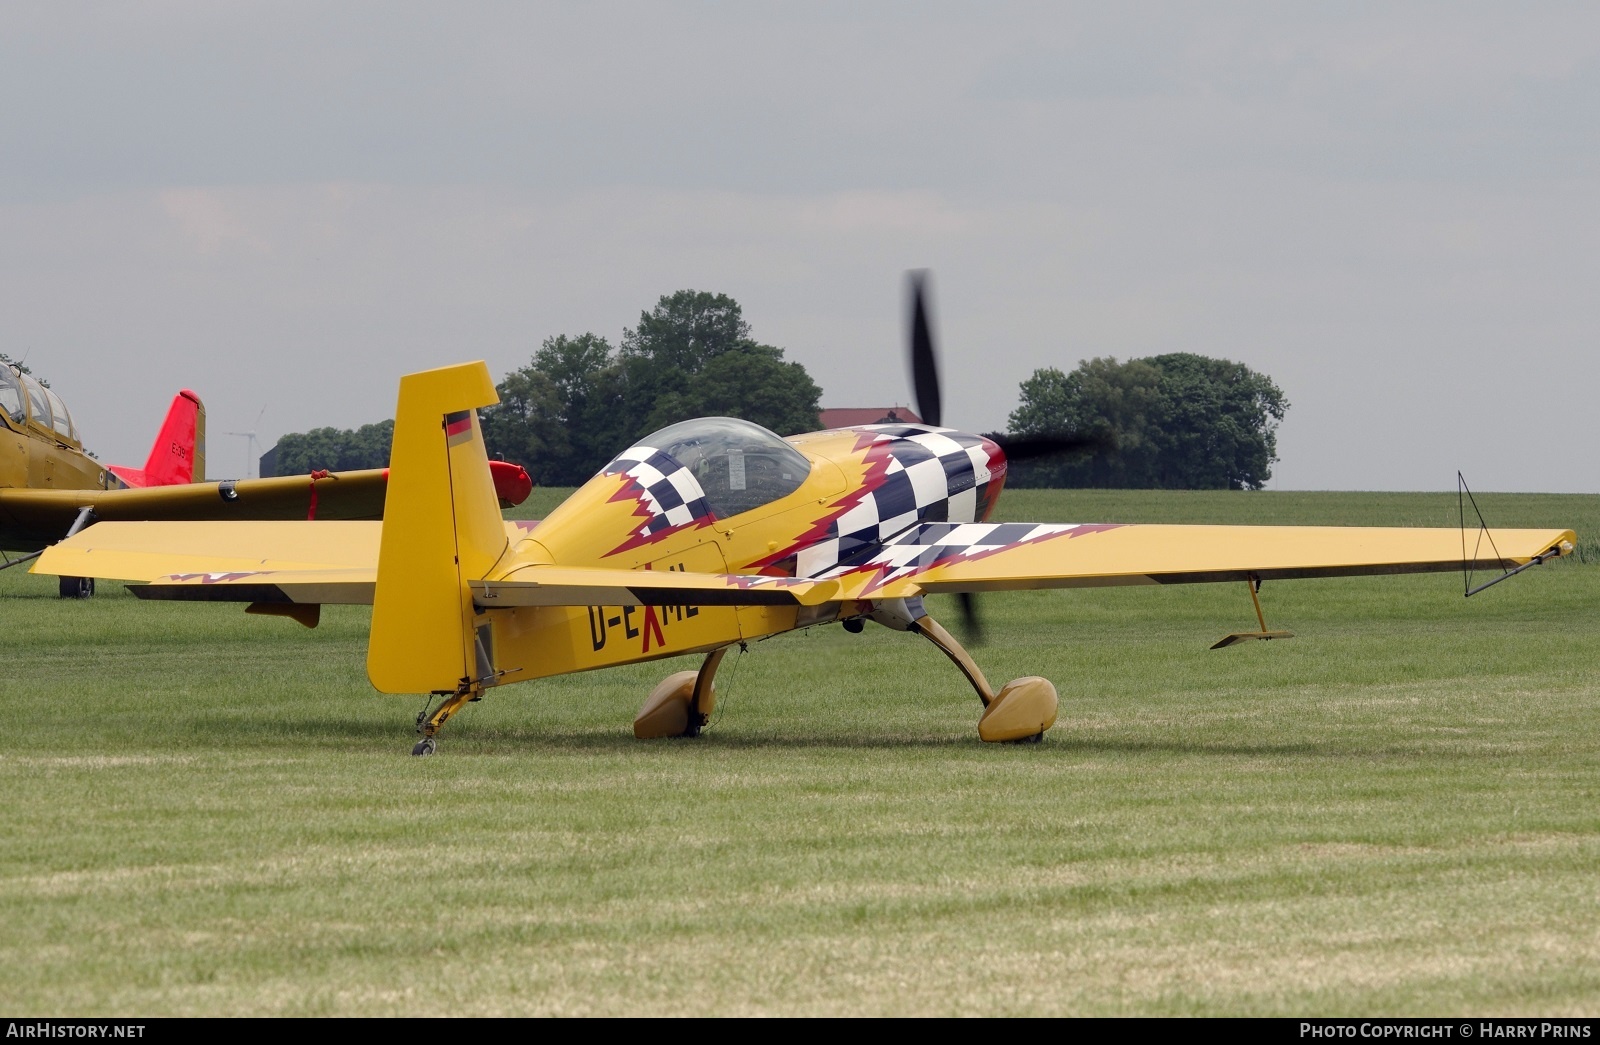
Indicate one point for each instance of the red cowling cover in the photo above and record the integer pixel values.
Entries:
(512, 484)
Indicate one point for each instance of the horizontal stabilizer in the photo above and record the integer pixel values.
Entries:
(294, 552)
(146, 551)
(597, 586)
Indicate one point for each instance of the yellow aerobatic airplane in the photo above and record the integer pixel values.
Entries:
(701, 536)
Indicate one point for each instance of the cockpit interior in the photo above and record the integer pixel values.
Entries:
(740, 466)
(24, 400)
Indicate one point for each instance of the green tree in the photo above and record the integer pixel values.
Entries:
(1177, 421)
(578, 401)
(749, 381)
(1217, 429)
(527, 423)
(692, 356)
(558, 416)
(683, 332)
(337, 449)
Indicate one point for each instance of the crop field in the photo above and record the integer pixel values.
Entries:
(1396, 812)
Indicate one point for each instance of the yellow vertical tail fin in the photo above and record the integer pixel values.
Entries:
(441, 528)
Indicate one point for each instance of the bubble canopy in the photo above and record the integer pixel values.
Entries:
(739, 465)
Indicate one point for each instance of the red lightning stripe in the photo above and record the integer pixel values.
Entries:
(877, 459)
(632, 489)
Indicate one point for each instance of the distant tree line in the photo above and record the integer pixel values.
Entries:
(1178, 422)
(580, 400)
(336, 449)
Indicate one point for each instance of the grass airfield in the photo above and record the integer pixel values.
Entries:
(1397, 812)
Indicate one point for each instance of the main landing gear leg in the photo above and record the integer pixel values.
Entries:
(77, 587)
(1022, 710)
(429, 725)
(682, 704)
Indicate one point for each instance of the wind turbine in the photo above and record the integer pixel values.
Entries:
(250, 444)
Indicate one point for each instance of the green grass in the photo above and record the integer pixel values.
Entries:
(1397, 812)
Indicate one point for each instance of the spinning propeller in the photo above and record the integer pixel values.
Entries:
(925, 383)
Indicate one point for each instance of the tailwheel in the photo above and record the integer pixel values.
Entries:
(429, 725)
(681, 704)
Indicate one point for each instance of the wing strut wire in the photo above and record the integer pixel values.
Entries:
(10, 562)
(1463, 498)
(727, 694)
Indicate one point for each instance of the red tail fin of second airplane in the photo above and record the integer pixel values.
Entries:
(179, 453)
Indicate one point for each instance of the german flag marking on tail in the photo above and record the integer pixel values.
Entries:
(457, 427)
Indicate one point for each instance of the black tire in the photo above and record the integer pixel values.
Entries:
(77, 587)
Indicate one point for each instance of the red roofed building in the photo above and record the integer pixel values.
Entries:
(850, 416)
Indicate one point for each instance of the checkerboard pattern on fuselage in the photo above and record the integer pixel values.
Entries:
(669, 491)
(930, 475)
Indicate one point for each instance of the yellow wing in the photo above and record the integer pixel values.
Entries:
(975, 557)
(33, 519)
(337, 562)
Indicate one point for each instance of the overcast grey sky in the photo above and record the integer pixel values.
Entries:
(1391, 209)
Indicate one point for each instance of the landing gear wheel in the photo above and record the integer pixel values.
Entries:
(1020, 713)
(681, 705)
(77, 587)
(425, 746)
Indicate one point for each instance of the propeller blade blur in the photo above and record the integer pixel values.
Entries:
(1029, 448)
(924, 363)
(971, 623)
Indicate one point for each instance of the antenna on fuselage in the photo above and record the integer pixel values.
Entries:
(250, 444)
